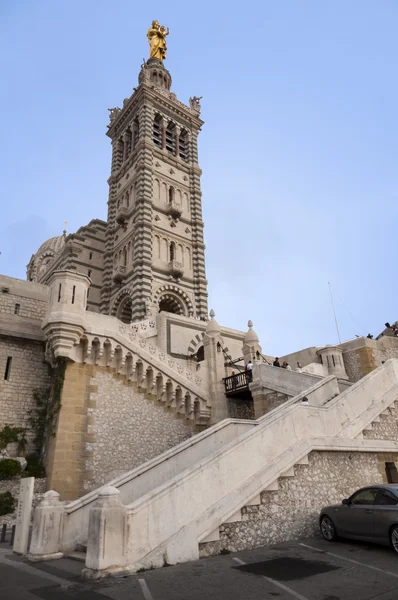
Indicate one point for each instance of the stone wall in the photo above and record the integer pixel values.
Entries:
(28, 372)
(241, 408)
(126, 428)
(387, 429)
(359, 362)
(292, 511)
(28, 307)
(13, 486)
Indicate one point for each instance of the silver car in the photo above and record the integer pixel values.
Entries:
(370, 514)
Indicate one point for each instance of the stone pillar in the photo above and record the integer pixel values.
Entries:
(67, 451)
(259, 394)
(215, 364)
(23, 515)
(47, 528)
(106, 530)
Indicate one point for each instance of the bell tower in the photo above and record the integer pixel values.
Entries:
(154, 252)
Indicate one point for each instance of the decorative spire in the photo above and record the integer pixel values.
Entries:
(212, 327)
(251, 336)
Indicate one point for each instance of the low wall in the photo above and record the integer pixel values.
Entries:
(292, 511)
(138, 482)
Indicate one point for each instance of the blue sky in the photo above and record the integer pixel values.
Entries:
(298, 150)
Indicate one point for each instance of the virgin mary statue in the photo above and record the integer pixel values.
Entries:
(157, 40)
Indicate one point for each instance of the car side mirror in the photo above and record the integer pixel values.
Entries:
(346, 502)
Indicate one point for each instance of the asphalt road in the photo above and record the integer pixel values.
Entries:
(311, 569)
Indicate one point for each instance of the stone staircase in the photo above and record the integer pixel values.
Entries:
(212, 543)
(177, 503)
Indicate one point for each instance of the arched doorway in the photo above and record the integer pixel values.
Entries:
(172, 304)
(125, 310)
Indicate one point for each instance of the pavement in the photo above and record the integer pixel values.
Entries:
(310, 569)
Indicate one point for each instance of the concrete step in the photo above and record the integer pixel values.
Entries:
(75, 555)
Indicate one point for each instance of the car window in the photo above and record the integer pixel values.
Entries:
(385, 498)
(364, 497)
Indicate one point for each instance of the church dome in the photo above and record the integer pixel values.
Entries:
(41, 260)
(54, 244)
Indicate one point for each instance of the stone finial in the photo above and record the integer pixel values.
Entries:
(251, 336)
(50, 498)
(212, 327)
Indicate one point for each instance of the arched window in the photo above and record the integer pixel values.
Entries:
(172, 250)
(183, 145)
(127, 199)
(120, 152)
(124, 256)
(171, 194)
(156, 189)
(157, 131)
(171, 138)
(136, 132)
(128, 138)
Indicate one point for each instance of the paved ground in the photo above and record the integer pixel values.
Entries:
(312, 569)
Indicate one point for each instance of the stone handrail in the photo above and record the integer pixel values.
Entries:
(140, 480)
(165, 521)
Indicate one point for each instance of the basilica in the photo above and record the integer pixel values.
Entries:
(155, 410)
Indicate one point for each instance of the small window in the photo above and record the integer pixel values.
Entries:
(172, 251)
(89, 272)
(17, 308)
(364, 497)
(73, 294)
(59, 292)
(7, 372)
(334, 364)
(385, 498)
(91, 256)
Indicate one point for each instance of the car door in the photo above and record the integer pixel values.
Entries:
(356, 518)
(385, 514)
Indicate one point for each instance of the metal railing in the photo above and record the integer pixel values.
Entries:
(238, 382)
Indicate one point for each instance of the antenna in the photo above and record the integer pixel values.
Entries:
(334, 312)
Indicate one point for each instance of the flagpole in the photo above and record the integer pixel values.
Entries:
(334, 312)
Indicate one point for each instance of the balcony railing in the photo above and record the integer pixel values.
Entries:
(176, 268)
(174, 210)
(238, 382)
(122, 214)
(118, 273)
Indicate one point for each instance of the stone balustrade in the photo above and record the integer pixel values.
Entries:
(110, 343)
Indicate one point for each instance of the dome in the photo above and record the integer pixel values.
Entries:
(54, 244)
(42, 259)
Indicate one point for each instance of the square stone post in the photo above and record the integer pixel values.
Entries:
(23, 515)
(106, 531)
(47, 528)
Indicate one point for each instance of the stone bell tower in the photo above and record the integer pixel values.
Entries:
(154, 253)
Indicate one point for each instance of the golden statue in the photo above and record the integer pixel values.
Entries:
(157, 40)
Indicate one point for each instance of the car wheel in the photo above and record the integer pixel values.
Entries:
(328, 529)
(394, 538)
